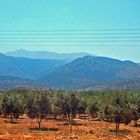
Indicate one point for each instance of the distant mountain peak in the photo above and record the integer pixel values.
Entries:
(46, 55)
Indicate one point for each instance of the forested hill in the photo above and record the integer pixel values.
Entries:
(88, 71)
(9, 82)
(27, 68)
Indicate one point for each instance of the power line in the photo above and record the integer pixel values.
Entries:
(70, 30)
(25, 37)
(35, 34)
(66, 45)
(68, 41)
(72, 36)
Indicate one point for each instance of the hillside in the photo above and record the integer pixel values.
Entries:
(88, 71)
(27, 68)
(8, 82)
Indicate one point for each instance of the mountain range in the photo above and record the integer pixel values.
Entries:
(88, 71)
(74, 72)
(46, 55)
(27, 68)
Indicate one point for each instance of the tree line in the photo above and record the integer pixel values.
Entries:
(111, 106)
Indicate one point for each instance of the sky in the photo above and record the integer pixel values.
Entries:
(102, 27)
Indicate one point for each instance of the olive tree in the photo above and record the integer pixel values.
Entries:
(92, 110)
(38, 105)
(12, 107)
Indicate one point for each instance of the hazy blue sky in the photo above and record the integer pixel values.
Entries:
(43, 15)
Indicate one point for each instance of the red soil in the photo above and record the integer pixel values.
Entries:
(55, 130)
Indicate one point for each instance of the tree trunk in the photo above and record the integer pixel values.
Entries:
(70, 124)
(11, 117)
(39, 124)
(117, 127)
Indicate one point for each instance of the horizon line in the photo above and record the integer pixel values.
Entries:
(61, 53)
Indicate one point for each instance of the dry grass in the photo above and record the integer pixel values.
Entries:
(55, 130)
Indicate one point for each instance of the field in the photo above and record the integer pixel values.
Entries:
(26, 129)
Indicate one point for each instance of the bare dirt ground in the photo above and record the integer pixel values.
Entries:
(55, 130)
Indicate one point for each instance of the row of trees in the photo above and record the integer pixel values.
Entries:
(116, 106)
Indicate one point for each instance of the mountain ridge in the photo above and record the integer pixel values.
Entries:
(90, 70)
(46, 55)
(25, 67)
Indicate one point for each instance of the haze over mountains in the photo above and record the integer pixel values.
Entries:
(67, 71)
(46, 55)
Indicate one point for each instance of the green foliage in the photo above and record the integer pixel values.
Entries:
(38, 105)
(92, 110)
(114, 106)
(12, 106)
